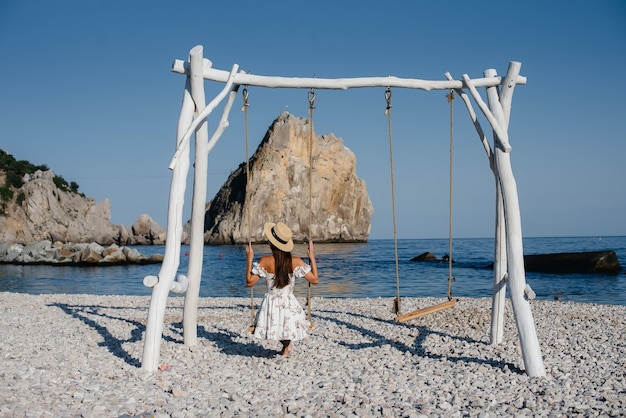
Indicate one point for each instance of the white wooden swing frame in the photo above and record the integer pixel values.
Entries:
(508, 257)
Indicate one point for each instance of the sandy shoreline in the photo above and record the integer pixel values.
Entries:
(79, 355)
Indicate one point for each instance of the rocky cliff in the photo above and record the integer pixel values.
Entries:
(39, 210)
(278, 190)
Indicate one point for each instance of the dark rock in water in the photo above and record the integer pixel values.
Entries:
(581, 262)
(428, 256)
(425, 257)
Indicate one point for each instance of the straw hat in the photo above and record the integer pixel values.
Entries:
(279, 235)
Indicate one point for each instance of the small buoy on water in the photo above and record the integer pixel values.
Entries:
(187, 253)
(220, 255)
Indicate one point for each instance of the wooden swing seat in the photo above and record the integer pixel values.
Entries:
(425, 311)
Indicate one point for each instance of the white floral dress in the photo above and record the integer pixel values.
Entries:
(280, 317)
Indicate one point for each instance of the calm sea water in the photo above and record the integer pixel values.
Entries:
(347, 270)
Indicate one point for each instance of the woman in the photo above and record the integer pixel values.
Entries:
(280, 317)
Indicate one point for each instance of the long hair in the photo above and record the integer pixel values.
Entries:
(283, 267)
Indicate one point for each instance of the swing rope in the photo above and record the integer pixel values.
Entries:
(450, 97)
(450, 302)
(311, 99)
(244, 93)
(396, 301)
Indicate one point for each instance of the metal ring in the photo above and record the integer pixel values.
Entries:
(388, 97)
(311, 98)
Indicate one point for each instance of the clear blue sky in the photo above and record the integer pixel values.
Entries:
(86, 88)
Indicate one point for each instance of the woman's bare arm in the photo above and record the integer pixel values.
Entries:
(312, 275)
(251, 279)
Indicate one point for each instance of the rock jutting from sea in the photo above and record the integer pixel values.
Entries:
(81, 254)
(279, 189)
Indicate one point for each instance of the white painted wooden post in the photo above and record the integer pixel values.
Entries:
(499, 268)
(171, 258)
(198, 211)
(508, 220)
(198, 204)
(179, 165)
(500, 109)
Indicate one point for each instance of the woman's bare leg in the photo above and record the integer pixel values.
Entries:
(286, 347)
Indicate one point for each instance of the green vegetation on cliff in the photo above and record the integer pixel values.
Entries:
(14, 171)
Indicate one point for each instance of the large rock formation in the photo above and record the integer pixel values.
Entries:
(278, 190)
(41, 211)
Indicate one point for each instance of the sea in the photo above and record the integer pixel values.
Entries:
(360, 270)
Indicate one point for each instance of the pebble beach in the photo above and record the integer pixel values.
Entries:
(80, 356)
